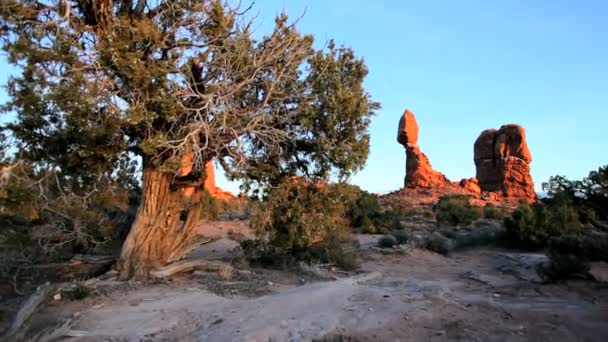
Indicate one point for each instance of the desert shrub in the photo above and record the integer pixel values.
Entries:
(297, 215)
(387, 241)
(593, 247)
(532, 225)
(365, 213)
(563, 266)
(455, 210)
(589, 195)
(333, 251)
(437, 243)
(569, 256)
(48, 217)
(401, 236)
(78, 291)
(305, 222)
(492, 212)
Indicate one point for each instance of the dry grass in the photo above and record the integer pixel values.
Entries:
(226, 272)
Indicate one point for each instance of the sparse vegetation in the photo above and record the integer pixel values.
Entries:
(492, 212)
(78, 291)
(455, 210)
(437, 243)
(364, 212)
(532, 225)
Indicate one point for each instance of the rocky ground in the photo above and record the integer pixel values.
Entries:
(405, 294)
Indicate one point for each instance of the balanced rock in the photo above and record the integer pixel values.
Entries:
(186, 167)
(502, 161)
(419, 172)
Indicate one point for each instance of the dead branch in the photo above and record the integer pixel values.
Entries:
(188, 266)
(27, 309)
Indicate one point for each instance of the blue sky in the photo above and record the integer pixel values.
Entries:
(465, 66)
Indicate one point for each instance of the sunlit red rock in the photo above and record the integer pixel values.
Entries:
(502, 161)
(419, 172)
(187, 164)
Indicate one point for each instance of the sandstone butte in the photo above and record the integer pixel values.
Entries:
(502, 162)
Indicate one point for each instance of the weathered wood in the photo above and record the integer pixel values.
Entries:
(28, 308)
(80, 266)
(158, 236)
(189, 265)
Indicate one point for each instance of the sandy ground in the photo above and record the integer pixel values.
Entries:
(414, 295)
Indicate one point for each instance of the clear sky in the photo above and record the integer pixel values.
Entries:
(465, 66)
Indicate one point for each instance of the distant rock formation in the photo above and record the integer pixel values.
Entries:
(419, 172)
(502, 161)
(210, 184)
(187, 164)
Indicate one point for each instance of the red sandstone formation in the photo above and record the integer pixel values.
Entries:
(469, 185)
(502, 161)
(187, 164)
(210, 184)
(419, 172)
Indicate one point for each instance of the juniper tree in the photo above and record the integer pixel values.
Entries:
(179, 83)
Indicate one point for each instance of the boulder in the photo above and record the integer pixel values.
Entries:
(502, 162)
(470, 185)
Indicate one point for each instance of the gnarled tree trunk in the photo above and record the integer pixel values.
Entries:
(158, 236)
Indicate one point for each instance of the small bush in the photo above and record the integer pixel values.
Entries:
(437, 243)
(342, 254)
(302, 222)
(532, 226)
(455, 210)
(365, 213)
(387, 241)
(563, 266)
(401, 236)
(78, 291)
(593, 247)
(297, 215)
(490, 211)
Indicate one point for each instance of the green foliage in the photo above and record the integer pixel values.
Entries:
(490, 211)
(365, 213)
(437, 243)
(78, 291)
(297, 215)
(95, 86)
(336, 252)
(455, 210)
(532, 225)
(300, 221)
(593, 247)
(589, 196)
(569, 255)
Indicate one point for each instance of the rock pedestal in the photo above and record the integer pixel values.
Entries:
(419, 172)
